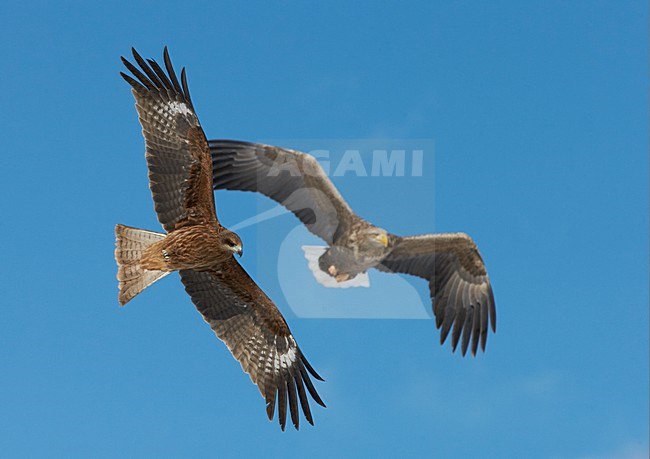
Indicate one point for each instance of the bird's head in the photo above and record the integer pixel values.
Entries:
(232, 242)
(377, 237)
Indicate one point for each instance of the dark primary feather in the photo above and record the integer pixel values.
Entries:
(291, 178)
(463, 302)
(244, 318)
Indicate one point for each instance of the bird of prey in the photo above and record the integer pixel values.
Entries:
(463, 302)
(200, 249)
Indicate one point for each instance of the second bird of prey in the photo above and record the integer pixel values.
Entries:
(184, 167)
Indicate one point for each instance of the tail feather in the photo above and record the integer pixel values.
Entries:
(130, 244)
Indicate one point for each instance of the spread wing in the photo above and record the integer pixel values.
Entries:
(289, 177)
(177, 153)
(244, 318)
(458, 282)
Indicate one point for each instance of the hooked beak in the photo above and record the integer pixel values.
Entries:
(383, 238)
(239, 251)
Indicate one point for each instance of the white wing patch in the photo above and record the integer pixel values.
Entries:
(277, 362)
(313, 253)
(181, 108)
(289, 357)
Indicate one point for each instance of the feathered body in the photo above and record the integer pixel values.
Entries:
(200, 247)
(355, 251)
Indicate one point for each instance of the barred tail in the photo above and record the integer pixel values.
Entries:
(130, 244)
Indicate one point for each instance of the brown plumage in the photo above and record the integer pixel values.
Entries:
(463, 302)
(196, 245)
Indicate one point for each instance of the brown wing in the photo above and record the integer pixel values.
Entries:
(244, 318)
(289, 177)
(178, 157)
(458, 283)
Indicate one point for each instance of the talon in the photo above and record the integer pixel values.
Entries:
(342, 277)
(332, 270)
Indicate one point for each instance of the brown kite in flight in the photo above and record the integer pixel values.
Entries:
(463, 302)
(200, 249)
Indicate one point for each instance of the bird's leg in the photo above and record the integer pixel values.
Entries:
(342, 277)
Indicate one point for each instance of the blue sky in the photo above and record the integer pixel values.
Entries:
(539, 116)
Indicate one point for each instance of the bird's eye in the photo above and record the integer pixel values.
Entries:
(231, 243)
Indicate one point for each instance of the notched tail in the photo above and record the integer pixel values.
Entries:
(130, 244)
